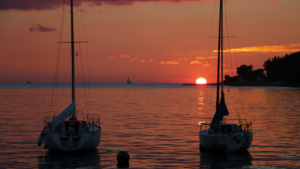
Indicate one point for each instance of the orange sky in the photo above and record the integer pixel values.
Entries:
(163, 41)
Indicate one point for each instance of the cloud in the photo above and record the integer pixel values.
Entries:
(26, 5)
(160, 7)
(97, 2)
(212, 57)
(199, 58)
(274, 2)
(124, 56)
(133, 59)
(195, 62)
(229, 70)
(275, 48)
(173, 62)
(143, 60)
(81, 10)
(151, 60)
(101, 12)
(180, 59)
(206, 64)
(40, 28)
(113, 57)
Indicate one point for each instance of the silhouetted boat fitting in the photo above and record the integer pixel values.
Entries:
(224, 136)
(70, 135)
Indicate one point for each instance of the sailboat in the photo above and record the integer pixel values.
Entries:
(64, 132)
(222, 136)
(128, 81)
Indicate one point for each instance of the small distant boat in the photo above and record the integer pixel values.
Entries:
(28, 82)
(128, 81)
(224, 136)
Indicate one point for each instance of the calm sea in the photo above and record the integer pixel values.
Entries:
(157, 124)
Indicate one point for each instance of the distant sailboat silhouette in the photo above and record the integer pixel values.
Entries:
(128, 81)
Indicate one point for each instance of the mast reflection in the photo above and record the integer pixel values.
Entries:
(210, 159)
(69, 160)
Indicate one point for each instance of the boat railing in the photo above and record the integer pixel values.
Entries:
(204, 126)
(89, 118)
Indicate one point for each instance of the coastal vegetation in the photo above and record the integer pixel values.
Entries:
(276, 71)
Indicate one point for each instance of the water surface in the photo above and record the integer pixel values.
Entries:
(157, 124)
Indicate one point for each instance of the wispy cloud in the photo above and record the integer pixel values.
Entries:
(180, 59)
(173, 62)
(229, 70)
(133, 59)
(81, 10)
(195, 62)
(274, 2)
(124, 56)
(151, 60)
(206, 64)
(40, 28)
(275, 48)
(199, 58)
(143, 60)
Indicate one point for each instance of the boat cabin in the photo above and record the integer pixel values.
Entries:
(227, 128)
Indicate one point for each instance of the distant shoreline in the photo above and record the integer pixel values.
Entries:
(194, 84)
(276, 83)
(263, 84)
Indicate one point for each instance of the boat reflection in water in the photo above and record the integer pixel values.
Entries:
(90, 159)
(211, 159)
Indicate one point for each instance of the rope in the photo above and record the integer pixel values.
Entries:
(88, 88)
(57, 63)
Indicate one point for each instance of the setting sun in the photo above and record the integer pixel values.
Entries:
(201, 81)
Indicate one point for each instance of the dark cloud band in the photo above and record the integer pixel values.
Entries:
(26, 5)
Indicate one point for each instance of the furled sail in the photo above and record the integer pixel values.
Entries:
(69, 111)
(221, 111)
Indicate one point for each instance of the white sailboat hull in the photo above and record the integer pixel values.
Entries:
(228, 142)
(86, 141)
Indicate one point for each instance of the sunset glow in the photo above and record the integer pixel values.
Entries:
(201, 81)
(149, 40)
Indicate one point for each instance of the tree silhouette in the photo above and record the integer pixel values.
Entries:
(285, 69)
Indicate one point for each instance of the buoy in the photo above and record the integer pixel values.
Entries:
(123, 159)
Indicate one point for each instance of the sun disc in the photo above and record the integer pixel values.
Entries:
(201, 81)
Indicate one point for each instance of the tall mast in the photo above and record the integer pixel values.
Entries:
(220, 53)
(222, 37)
(72, 47)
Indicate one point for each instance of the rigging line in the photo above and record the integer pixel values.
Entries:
(208, 53)
(234, 91)
(82, 77)
(64, 83)
(88, 77)
(57, 64)
(82, 68)
(87, 56)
